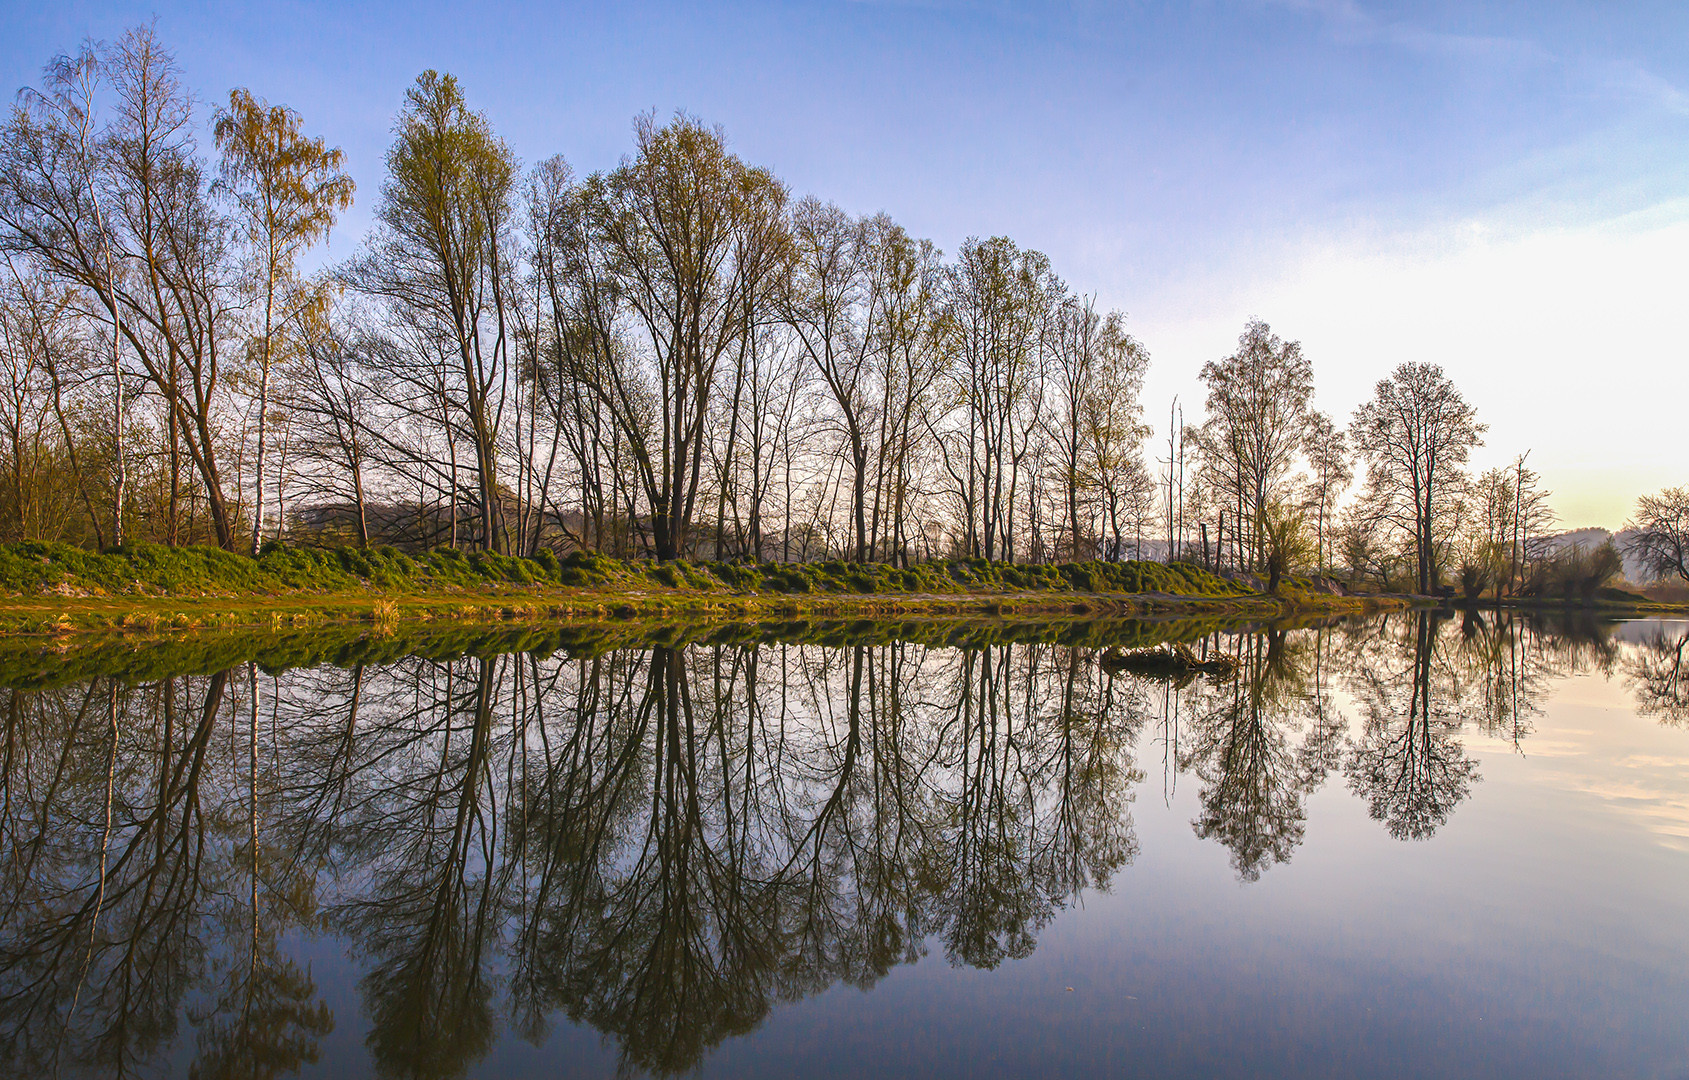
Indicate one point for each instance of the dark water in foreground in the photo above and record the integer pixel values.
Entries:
(1402, 847)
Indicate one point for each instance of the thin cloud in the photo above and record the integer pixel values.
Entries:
(1651, 89)
(1353, 23)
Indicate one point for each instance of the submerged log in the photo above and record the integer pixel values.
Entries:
(1166, 662)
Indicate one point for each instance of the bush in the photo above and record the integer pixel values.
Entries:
(1474, 579)
(1573, 573)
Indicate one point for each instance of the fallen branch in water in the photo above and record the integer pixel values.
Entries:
(1175, 661)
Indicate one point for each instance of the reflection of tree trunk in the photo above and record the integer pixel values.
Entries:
(252, 839)
(105, 843)
(428, 996)
(847, 764)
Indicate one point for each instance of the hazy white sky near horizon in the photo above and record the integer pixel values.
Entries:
(1500, 188)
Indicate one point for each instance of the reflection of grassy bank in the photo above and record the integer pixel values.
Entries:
(31, 661)
(1619, 603)
(57, 590)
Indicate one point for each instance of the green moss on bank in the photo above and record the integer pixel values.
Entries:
(152, 570)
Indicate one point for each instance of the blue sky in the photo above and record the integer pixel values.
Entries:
(1502, 188)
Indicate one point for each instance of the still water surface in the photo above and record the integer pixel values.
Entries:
(1407, 846)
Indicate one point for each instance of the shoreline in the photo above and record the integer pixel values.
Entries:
(52, 640)
(1640, 608)
(53, 591)
(204, 639)
(54, 616)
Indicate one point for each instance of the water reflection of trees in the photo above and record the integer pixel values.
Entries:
(760, 826)
(1657, 674)
(663, 843)
(1408, 762)
(1501, 665)
(125, 843)
(1260, 743)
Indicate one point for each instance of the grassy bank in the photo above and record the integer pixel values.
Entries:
(154, 570)
(56, 589)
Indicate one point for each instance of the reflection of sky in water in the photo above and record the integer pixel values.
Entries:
(1259, 919)
(1539, 934)
(1590, 746)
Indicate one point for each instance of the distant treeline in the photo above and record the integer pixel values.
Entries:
(673, 358)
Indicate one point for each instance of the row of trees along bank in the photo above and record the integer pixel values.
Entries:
(672, 358)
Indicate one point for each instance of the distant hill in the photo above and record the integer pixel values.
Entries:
(1576, 538)
(1594, 538)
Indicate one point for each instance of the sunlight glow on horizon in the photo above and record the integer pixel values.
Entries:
(1567, 340)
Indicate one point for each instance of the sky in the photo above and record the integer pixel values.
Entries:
(1502, 188)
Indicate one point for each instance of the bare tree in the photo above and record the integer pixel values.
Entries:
(40, 351)
(1075, 376)
(54, 175)
(906, 275)
(122, 212)
(1416, 433)
(1509, 510)
(1662, 533)
(1329, 473)
(1114, 431)
(332, 401)
(831, 306)
(1257, 404)
(178, 293)
(696, 239)
(999, 305)
(579, 359)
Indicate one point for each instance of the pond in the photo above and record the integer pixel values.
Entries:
(1409, 845)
